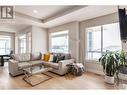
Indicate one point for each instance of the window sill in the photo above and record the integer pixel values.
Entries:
(93, 61)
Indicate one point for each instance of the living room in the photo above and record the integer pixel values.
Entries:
(82, 32)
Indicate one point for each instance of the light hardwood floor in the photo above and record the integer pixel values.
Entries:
(86, 81)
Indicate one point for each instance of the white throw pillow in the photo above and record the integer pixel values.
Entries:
(51, 58)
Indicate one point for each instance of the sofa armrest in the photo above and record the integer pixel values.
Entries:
(11, 61)
(63, 63)
(13, 66)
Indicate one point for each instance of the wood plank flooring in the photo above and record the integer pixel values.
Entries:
(88, 80)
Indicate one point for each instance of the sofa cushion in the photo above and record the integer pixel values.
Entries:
(59, 58)
(55, 58)
(23, 65)
(51, 58)
(53, 65)
(37, 62)
(21, 57)
(46, 57)
(67, 55)
(35, 56)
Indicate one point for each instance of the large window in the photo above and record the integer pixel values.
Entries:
(22, 44)
(5, 44)
(59, 41)
(25, 43)
(102, 38)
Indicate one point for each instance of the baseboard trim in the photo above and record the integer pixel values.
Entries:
(121, 76)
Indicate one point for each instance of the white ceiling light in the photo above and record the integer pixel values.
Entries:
(35, 11)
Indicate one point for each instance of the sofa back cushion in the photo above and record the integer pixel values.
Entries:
(21, 57)
(35, 56)
(67, 55)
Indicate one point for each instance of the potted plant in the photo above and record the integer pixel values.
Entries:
(111, 62)
(122, 68)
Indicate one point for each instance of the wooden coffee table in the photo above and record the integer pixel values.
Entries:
(30, 72)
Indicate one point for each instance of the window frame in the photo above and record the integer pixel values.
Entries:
(86, 40)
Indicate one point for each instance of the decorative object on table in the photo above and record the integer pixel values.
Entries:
(112, 62)
(76, 69)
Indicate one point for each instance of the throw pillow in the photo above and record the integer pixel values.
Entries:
(54, 58)
(46, 56)
(51, 58)
(59, 58)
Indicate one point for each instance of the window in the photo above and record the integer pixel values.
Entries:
(5, 44)
(59, 41)
(102, 38)
(111, 37)
(25, 43)
(22, 44)
(94, 42)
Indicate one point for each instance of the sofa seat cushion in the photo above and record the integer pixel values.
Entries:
(53, 65)
(23, 65)
(35, 63)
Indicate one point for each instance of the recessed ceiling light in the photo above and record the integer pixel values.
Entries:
(35, 11)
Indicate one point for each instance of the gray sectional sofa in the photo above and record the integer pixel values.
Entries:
(25, 60)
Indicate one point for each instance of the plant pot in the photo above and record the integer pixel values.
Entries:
(109, 79)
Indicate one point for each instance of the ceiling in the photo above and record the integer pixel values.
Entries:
(51, 16)
(12, 28)
(83, 14)
(40, 12)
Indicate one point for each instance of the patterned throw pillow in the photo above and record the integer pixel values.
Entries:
(59, 58)
(54, 58)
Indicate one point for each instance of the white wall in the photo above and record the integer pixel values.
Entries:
(73, 28)
(39, 39)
